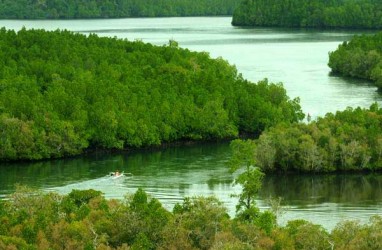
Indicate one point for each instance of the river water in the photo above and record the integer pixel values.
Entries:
(298, 58)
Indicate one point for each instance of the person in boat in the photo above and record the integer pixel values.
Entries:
(116, 173)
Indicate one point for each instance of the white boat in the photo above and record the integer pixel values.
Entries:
(117, 175)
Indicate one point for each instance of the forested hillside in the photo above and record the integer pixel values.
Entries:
(361, 57)
(365, 14)
(57, 9)
(62, 92)
(350, 140)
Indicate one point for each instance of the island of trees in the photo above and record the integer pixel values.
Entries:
(361, 57)
(62, 92)
(354, 14)
(349, 140)
(73, 9)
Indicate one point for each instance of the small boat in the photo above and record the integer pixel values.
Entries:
(117, 175)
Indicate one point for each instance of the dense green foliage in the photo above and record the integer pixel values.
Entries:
(53, 9)
(61, 92)
(361, 57)
(349, 140)
(86, 220)
(366, 14)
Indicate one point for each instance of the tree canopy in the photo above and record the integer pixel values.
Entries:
(361, 57)
(84, 219)
(63, 92)
(348, 140)
(354, 14)
(72, 9)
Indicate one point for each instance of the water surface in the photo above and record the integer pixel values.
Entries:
(174, 173)
(298, 58)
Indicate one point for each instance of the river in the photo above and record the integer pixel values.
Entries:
(296, 57)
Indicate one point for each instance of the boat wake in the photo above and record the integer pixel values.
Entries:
(110, 185)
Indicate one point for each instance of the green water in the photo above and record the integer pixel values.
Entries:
(177, 172)
(298, 58)
(169, 173)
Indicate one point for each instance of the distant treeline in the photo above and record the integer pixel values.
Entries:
(361, 57)
(84, 219)
(350, 140)
(69, 9)
(62, 92)
(365, 14)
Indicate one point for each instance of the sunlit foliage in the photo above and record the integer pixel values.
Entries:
(34, 220)
(62, 92)
(348, 140)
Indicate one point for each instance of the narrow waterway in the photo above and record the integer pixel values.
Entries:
(177, 172)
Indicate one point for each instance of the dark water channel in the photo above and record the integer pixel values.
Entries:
(174, 173)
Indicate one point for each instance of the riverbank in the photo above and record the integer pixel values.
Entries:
(81, 217)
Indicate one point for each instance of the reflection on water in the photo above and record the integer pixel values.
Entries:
(172, 168)
(326, 199)
(362, 190)
(174, 173)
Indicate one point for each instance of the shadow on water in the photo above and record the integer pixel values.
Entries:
(173, 167)
(345, 189)
(201, 170)
(325, 199)
(188, 170)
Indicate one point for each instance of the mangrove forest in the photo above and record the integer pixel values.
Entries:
(84, 219)
(361, 57)
(63, 92)
(76, 9)
(349, 140)
(349, 14)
